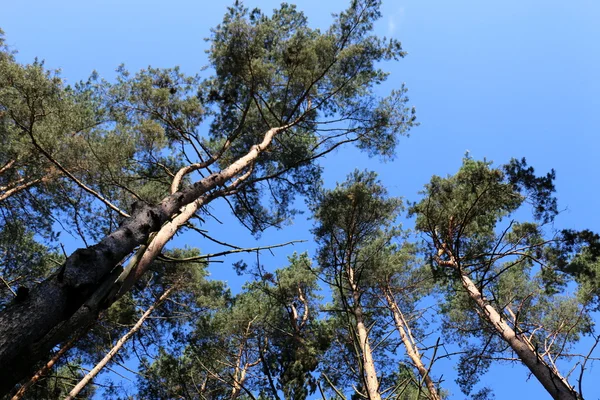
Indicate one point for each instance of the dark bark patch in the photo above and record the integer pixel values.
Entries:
(155, 218)
(85, 255)
(137, 206)
(76, 296)
(22, 294)
(108, 253)
(145, 228)
(61, 273)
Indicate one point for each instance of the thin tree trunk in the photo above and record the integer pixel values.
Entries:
(411, 348)
(96, 370)
(368, 364)
(369, 371)
(44, 370)
(238, 378)
(371, 381)
(238, 382)
(241, 367)
(553, 382)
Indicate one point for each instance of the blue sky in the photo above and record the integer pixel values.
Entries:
(500, 79)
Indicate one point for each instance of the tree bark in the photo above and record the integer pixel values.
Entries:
(370, 374)
(96, 370)
(553, 382)
(411, 349)
(368, 364)
(73, 296)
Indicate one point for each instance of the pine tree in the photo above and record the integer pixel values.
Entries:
(276, 88)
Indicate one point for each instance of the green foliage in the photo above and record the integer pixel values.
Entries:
(23, 260)
(76, 159)
(349, 219)
(363, 255)
(513, 264)
(58, 383)
(468, 203)
(271, 329)
(576, 256)
(275, 70)
(407, 385)
(298, 337)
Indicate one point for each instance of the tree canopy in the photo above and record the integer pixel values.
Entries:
(123, 166)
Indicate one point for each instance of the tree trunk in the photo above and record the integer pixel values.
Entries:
(368, 364)
(369, 372)
(44, 370)
(96, 370)
(371, 381)
(411, 348)
(73, 297)
(553, 382)
(238, 383)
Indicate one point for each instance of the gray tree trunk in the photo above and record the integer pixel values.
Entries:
(88, 280)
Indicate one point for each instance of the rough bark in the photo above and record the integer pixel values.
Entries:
(73, 296)
(96, 370)
(411, 348)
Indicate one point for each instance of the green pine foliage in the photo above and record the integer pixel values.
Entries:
(81, 160)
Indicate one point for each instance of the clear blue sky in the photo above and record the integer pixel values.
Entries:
(500, 79)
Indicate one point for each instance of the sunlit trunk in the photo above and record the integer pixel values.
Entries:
(109, 356)
(411, 348)
(553, 382)
(369, 372)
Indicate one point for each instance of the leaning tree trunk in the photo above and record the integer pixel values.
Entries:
(553, 382)
(47, 367)
(90, 278)
(109, 356)
(411, 348)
